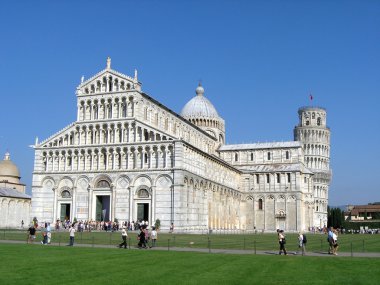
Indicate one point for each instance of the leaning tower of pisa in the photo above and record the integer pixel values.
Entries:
(314, 134)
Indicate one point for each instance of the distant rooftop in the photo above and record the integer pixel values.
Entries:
(263, 168)
(266, 145)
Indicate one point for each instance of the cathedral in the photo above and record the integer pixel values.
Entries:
(128, 157)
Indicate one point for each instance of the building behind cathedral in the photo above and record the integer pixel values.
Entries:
(129, 157)
(14, 203)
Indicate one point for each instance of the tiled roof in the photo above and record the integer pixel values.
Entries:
(364, 208)
(9, 192)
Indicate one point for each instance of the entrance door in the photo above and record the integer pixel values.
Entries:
(103, 208)
(65, 212)
(142, 211)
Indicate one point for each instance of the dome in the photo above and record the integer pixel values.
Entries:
(8, 168)
(199, 107)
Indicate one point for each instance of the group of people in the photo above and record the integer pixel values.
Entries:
(45, 232)
(332, 238)
(87, 225)
(144, 238)
(148, 239)
(107, 226)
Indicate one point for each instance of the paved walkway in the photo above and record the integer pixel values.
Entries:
(220, 251)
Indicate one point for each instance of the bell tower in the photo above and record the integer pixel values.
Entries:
(314, 134)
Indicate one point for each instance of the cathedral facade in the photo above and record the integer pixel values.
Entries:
(129, 157)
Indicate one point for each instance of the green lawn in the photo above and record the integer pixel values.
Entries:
(36, 264)
(316, 242)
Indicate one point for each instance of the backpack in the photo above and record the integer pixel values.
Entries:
(304, 239)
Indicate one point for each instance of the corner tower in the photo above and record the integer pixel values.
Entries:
(314, 134)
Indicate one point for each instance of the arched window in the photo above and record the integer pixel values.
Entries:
(65, 194)
(260, 204)
(313, 115)
(307, 123)
(145, 113)
(278, 178)
(288, 174)
(110, 83)
(110, 111)
(257, 178)
(124, 111)
(287, 154)
(318, 121)
(236, 157)
(268, 155)
(143, 193)
(103, 184)
(251, 156)
(268, 178)
(156, 119)
(95, 112)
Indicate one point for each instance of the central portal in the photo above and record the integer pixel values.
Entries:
(142, 211)
(65, 212)
(103, 208)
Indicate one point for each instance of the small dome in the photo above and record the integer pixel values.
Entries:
(199, 107)
(8, 168)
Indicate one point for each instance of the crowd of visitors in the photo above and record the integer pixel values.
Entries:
(146, 240)
(100, 225)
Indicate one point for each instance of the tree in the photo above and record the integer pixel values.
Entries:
(157, 224)
(335, 217)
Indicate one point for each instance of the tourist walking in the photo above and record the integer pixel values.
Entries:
(330, 240)
(147, 236)
(72, 235)
(282, 242)
(302, 242)
(124, 236)
(48, 233)
(31, 234)
(335, 245)
(44, 234)
(153, 235)
(141, 238)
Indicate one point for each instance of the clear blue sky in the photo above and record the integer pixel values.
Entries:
(258, 62)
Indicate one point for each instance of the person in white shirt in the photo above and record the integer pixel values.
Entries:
(48, 229)
(72, 235)
(124, 236)
(301, 244)
(335, 243)
(153, 235)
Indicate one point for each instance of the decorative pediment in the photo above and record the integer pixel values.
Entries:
(60, 137)
(108, 80)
